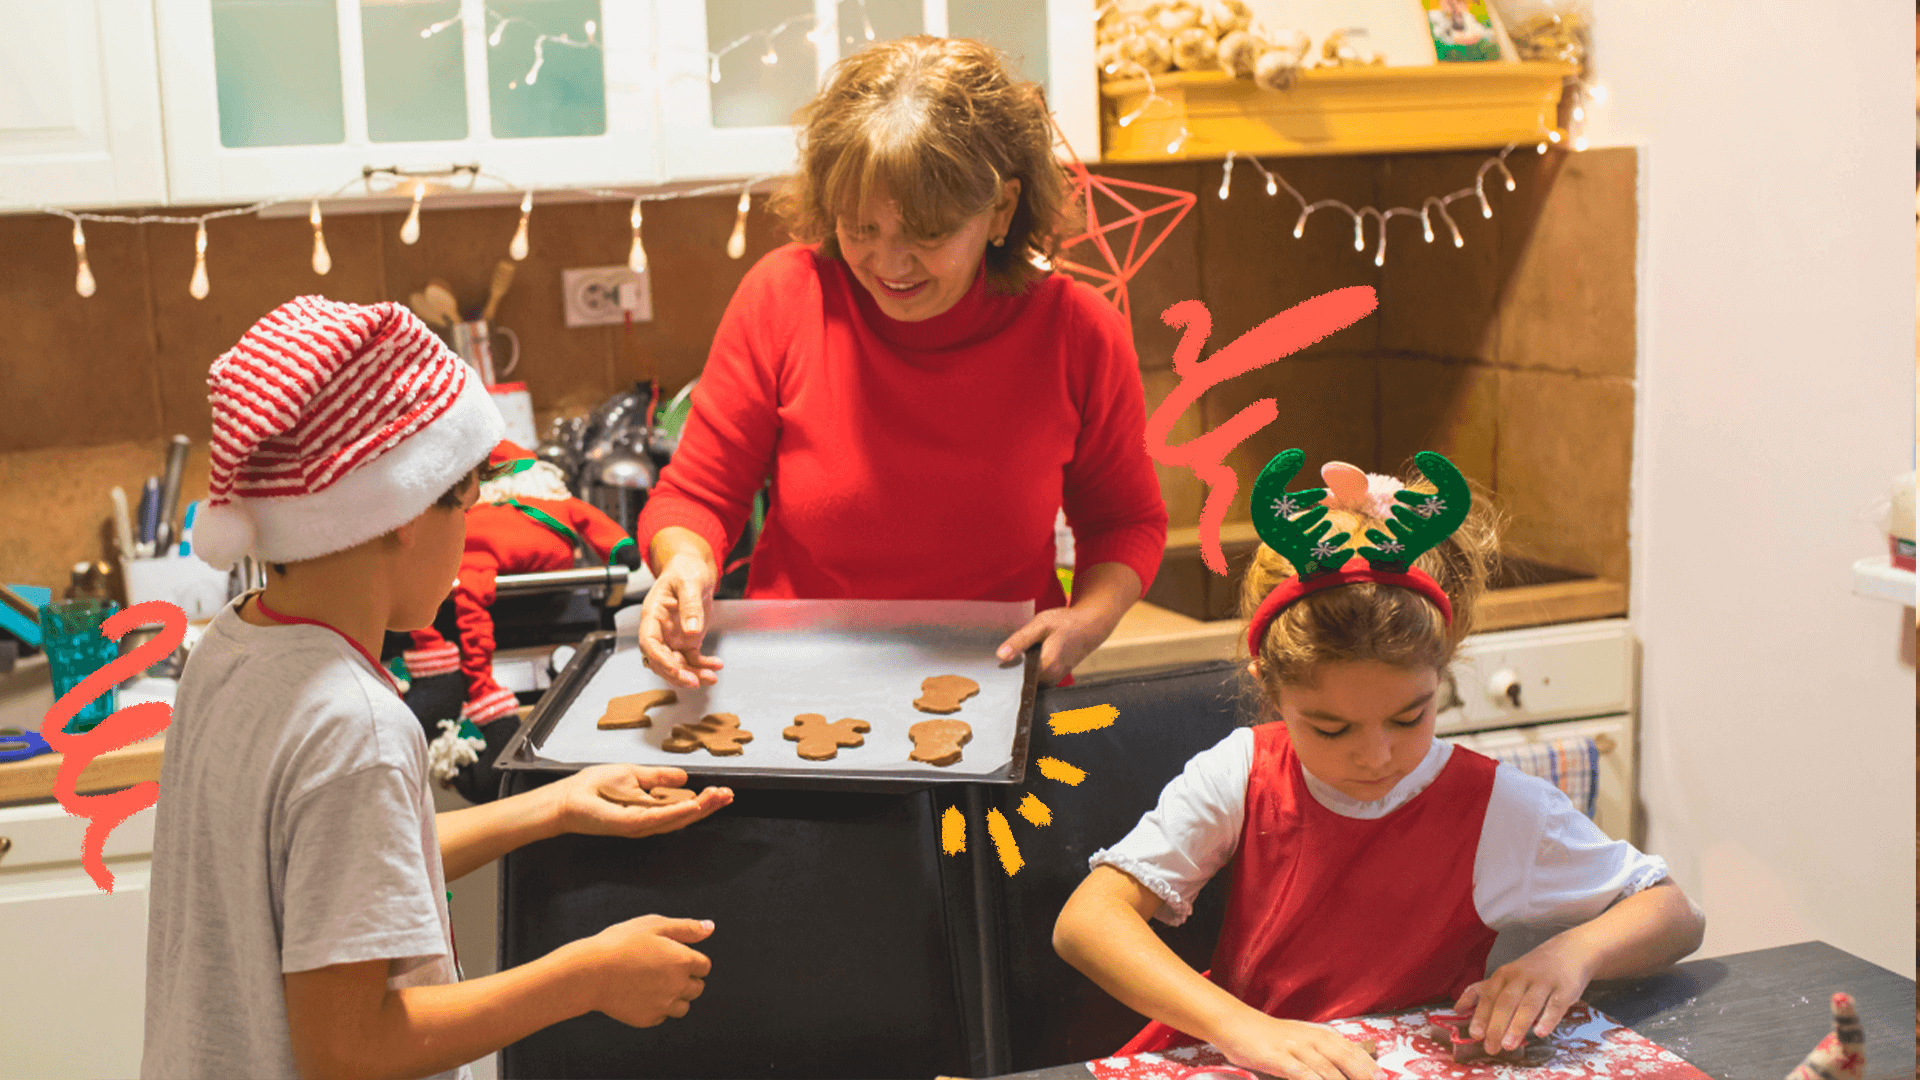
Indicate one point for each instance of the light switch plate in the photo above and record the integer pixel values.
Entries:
(592, 295)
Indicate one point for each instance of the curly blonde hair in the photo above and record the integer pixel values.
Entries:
(1369, 621)
(938, 124)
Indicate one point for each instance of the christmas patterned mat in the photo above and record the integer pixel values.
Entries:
(1588, 1046)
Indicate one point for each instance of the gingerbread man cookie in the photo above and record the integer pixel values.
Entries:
(661, 796)
(1451, 1032)
(944, 693)
(819, 740)
(719, 732)
(630, 711)
(938, 742)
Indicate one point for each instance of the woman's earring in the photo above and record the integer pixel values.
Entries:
(999, 240)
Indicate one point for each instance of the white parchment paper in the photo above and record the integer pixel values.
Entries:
(840, 658)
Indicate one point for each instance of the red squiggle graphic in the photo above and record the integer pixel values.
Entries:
(1283, 335)
(124, 728)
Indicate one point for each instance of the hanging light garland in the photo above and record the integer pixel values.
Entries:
(83, 276)
(637, 254)
(1432, 205)
(322, 262)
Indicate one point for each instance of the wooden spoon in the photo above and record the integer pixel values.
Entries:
(502, 281)
(443, 309)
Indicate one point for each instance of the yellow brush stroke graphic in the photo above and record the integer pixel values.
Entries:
(1002, 834)
(1075, 721)
(953, 831)
(1035, 811)
(1055, 769)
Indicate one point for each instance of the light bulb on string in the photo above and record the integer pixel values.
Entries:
(1380, 253)
(518, 249)
(198, 287)
(770, 57)
(591, 27)
(636, 255)
(539, 60)
(1226, 176)
(499, 31)
(83, 276)
(1579, 143)
(737, 243)
(1579, 114)
(1554, 136)
(1507, 176)
(866, 24)
(322, 262)
(1541, 149)
(1273, 186)
(1360, 233)
(410, 229)
(1486, 208)
(1179, 141)
(1458, 240)
(1426, 226)
(713, 68)
(439, 26)
(1597, 94)
(1300, 226)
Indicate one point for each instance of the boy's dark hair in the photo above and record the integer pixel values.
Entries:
(450, 499)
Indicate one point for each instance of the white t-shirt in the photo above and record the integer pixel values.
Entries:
(295, 830)
(1542, 865)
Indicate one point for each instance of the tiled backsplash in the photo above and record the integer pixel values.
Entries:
(1514, 354)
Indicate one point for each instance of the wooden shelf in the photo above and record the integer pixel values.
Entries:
(1355, 110)
(1876, 576)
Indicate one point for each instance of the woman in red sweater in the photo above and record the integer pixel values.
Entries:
(922, 395)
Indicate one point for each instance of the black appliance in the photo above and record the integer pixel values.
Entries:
(846, 944)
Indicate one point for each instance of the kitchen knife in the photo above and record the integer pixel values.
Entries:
(149, 509)
(165, 533)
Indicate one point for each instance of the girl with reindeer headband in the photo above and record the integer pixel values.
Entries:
(1375, 864)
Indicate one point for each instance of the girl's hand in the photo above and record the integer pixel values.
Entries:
(1534, 991)
(1294, 1050)
(1066, 635)
(673, 622)
(612, 800)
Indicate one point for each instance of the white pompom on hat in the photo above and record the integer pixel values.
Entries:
(334, 423)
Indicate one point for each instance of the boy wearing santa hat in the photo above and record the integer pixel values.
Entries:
(297, 922)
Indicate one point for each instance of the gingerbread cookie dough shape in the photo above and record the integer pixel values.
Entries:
(943, 693)
(938, 742)
(719, 732)
(663, 796)
(1467, 1050)
(630, 710)
(821, 741)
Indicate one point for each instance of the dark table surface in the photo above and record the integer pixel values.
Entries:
(1750, 1016)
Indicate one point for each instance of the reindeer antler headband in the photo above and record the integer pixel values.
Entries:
(1294, 524)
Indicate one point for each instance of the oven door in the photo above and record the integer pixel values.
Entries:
(1574, 753)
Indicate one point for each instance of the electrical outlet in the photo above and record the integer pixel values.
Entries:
(592, 295)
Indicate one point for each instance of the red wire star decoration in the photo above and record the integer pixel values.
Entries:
(1112, 280)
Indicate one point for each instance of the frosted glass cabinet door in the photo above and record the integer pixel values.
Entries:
(79, 125)
(293, 98)
(733, 116)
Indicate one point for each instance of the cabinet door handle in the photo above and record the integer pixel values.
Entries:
(6, 845)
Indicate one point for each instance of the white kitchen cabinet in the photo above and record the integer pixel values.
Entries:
(731, 117)
(294, 98)
(75, 959)
(79, 121)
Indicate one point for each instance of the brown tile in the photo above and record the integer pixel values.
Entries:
(1435, 298)
(1564, 467)
(1181, 585)
(1171, 274)
(1182, 490)
(1449, 408)
(74, 371)
(1326, 408)
(1567, 260)
(253, 266)
(1252, 268)
(54, 506)
(692, 279)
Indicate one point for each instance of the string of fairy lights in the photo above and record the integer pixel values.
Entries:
(199, 285)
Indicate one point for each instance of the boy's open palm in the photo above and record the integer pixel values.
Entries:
(646, 972)
(612, 800)
(1534, 991)
(1295, 1050)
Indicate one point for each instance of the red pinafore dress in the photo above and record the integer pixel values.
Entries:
(1331, 916)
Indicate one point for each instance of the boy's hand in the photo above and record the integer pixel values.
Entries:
(612, 800)
(1535, 990)
(644, 971)
(1294, 1050)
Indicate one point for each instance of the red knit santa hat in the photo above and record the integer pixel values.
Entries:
(335, 423)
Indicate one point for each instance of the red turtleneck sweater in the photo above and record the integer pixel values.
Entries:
(915, 460)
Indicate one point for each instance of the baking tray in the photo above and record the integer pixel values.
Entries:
(784, 657)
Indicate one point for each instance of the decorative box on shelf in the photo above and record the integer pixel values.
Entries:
(1347, 110)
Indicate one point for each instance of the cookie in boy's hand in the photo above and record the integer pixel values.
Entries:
(820, 740)
(630, 710)
(938, 742)
(719, 732)
(944, 693)
(660, 796)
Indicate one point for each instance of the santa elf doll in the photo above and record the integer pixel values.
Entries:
(525, 521)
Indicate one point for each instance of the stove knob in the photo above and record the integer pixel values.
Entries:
(1504, 688)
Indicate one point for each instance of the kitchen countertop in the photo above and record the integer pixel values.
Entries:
(26, 693)
(1753, 1014)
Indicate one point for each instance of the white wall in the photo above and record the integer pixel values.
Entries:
(1776, 402)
